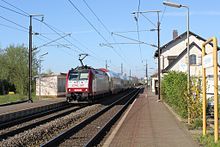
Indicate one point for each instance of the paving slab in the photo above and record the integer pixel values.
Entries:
(150, 123)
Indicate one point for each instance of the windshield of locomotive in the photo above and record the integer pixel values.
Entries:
(84, 76)
(73, 76)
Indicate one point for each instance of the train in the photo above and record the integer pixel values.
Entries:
(86, 84)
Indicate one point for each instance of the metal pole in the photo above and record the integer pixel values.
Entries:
(188, 64)
(130, 74)
(146, 74)
(121, 68)
(188, 51)
(106, 64)
(40, 78)
(158, 45)
(146, 70)
(30, 61)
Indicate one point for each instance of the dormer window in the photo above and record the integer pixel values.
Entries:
(192, 59)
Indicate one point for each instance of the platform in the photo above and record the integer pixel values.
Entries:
(150, 123)
(15, 111)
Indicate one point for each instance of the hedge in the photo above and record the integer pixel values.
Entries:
(173, 89)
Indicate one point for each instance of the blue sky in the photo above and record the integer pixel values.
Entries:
(116, 16)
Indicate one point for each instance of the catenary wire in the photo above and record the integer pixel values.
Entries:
(88, 21)
(148, 20)
(14, 22)
(106, 30)
(7, 26)
(137, 25)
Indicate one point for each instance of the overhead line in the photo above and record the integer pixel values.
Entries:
(128, 38)
(63, 45)
(96, 16)
(164, 10)
(15, 7)
(56, 32)
(87, 48)
(137, 24)
(14, 22)
(13, 11)
(105, 29)
(132, 31)
(61, 36)
(138, 34)
(88, 21)
(13, 28)
(27, 15)
(139, 4)
(52, 41)
(149, 20)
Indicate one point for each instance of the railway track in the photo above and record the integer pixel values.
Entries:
(18, 121)
(82, 134)
(17, 126)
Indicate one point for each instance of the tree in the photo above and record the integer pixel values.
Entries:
(14, 61)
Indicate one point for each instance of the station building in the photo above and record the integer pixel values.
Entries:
(173, 55)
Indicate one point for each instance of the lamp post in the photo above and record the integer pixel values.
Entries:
(158, 43)
(30, 58)
(175, 5)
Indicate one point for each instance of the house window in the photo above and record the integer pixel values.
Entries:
(171, 59)
(192, 59)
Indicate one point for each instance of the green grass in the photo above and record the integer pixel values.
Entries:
(11, 98)
(208, 141)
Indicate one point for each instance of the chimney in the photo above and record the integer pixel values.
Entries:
(175, 34)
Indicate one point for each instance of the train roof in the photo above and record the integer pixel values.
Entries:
(81, 68)
(110, 73)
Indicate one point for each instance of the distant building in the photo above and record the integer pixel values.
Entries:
(154, 82)
(51, 85)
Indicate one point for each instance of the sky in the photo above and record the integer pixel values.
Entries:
(104, 29)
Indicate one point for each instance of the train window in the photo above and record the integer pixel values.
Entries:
(73, 76)
(84, 76)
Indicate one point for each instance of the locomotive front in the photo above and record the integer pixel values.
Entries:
(77, 85)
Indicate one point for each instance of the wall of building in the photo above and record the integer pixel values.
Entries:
(51, 86)
(153, 82)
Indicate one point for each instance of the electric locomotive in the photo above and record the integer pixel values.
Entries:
(85, 83)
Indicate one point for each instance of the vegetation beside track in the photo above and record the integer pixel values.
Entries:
(4, 99)
(11, 98)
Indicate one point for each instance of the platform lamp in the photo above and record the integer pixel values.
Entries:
(175, 5)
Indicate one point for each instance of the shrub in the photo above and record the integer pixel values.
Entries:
(194, 100)
(174, 85)
(174, 92)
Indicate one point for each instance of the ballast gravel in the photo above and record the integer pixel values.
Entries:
(45, 132)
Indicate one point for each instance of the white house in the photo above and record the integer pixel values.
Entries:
(51, 85)
(174, 54)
